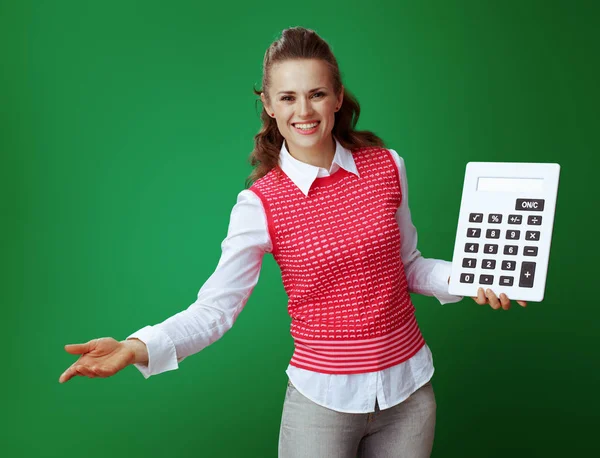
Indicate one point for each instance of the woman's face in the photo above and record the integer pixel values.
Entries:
(301, 92)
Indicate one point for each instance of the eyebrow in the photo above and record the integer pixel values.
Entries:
(292, 92)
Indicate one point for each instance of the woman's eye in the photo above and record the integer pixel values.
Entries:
(286, 98)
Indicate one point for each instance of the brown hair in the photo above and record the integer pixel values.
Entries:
(301, 43)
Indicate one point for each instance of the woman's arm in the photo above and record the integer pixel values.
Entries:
(425, 276)
(221, 298)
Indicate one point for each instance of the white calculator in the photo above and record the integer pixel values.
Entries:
(505, 229)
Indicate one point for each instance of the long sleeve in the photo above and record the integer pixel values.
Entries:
(220, 299)
(426, 276)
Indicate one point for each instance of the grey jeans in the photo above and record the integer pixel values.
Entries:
(309, 430)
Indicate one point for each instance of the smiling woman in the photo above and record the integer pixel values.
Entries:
(302, 85)
(330, 204)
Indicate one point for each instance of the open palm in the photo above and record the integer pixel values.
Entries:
(99, 358)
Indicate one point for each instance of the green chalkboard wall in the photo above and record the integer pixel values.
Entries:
(125, 132)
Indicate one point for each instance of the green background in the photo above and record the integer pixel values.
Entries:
(126, 128)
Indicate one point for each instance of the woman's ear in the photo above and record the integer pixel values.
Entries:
(264, 102)
(341, 97)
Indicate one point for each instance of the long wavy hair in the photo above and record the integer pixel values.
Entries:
(302, 43)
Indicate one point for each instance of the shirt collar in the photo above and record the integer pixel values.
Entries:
(303, 175)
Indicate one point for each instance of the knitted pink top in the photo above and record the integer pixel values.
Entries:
(339, 253)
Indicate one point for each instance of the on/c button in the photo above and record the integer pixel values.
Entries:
(532, 205)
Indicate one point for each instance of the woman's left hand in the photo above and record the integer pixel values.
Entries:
(489, 297)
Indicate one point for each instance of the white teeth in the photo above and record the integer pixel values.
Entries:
(307, 126)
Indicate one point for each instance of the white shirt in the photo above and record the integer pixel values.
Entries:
(224, 295)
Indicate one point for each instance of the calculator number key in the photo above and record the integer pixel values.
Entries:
(511, 250)
(494, 218)
(533, 236)
(475, 217)
(492, 233)
(471, 247)
(467, 278)
(513, 235)
(472, 232)
(469, 262)
(534, 220)
(509, 265)
(490, 249)
(488, 264)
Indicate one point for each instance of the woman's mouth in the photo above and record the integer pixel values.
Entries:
(306, 128)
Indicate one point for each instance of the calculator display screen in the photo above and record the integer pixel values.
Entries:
(496, 184)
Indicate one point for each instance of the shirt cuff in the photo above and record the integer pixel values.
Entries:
(439, 283)
(161, 351)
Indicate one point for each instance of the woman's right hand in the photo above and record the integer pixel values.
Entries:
(99, 358)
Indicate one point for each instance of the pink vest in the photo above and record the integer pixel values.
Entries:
(339, 253)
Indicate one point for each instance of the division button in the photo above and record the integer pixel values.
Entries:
(527, 274)
(475, 217)
(506, 281)
(532, 205)
(530, 251)
(534, 220)
(467, 278)
(486, 279)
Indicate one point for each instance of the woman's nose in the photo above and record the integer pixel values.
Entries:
(305, 107)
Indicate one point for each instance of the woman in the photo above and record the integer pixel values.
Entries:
(331, 205)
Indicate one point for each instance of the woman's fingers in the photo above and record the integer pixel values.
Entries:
(504, 301)
(494, 302)
(488, 296)
(78, 349)
(480, 299)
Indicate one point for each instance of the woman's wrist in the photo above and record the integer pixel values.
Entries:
(139, 348)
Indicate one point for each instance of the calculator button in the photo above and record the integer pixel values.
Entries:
(533, 235)
(511, 249)
(492, 233)
(532, 205)
(473, 232)
(475, 217)
(467, 278)
(513, 235)
(471, 247)
(527, 274)
(506, 281)
(508, 265)
(469, 262)
(530, 251)
(491, 249)
(488, 264)
(534, 220)
(495, 218)
(486, 279)
(515, 219)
